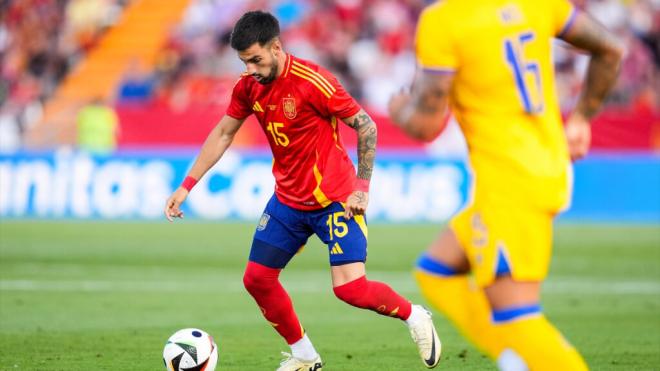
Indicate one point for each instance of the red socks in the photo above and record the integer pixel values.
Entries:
(263, 284)
(375, 296)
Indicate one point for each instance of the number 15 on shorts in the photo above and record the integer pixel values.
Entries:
(336, 227)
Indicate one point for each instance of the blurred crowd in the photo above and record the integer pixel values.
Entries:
(368, 44)
(40, 42)
(637, 22)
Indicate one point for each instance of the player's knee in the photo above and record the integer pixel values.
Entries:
(258, 278)
(353, 292)
(249, 281)
(447, 250)
(505, 292)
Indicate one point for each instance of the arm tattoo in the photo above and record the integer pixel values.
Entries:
(360, 197)
(431, 97)
(606, 51)
(361, 117)
(429, 102)
(367, 135)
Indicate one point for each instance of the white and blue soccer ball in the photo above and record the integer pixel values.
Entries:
(190, 349)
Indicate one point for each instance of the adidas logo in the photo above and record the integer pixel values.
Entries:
(257, 107)
(336, 249)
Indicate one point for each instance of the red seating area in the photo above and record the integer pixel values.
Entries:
(157, 125)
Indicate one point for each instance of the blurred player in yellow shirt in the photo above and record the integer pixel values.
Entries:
(491, 61)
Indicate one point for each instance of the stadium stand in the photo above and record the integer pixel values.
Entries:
(167, 64)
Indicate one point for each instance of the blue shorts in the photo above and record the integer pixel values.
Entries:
(282, 231)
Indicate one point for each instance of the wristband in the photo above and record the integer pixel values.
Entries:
(189, 183)
(362, 185)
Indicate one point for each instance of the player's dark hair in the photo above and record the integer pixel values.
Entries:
(254, 27)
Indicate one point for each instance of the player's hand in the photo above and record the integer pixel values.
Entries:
(578, 136)
(356, 204)
(396, 106)
(174, 202)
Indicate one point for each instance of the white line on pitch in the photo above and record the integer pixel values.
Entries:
(559, 286)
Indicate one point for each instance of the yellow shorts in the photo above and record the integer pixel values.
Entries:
(500, 237)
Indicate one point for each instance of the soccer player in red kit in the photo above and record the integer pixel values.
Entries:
(298, 105)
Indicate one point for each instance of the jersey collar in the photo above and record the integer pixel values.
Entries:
(287, 65)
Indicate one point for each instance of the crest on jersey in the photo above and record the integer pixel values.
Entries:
(263, 222)
(289, 105)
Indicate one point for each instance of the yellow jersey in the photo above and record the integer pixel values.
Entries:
(504, 95)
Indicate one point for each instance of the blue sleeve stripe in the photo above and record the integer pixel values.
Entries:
(568, 24)
(439, 70)
(430, 265)
(514, 313)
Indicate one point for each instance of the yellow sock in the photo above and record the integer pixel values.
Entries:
(464, 305)
(540, 345)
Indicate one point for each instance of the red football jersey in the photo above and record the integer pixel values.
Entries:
(299, 114)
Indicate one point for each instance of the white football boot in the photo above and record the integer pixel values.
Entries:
(427, 340)
(290, 363)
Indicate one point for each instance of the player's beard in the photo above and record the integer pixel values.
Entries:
(271, 75)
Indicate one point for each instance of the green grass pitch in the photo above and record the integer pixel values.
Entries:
(106, 296)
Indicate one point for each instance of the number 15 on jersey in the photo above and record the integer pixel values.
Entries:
(525, 73)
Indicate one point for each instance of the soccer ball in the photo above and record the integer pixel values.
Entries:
(190, 349)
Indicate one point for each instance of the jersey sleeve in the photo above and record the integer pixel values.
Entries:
(330, 98)
(239, 106)
(563, 16)
(433, 44)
